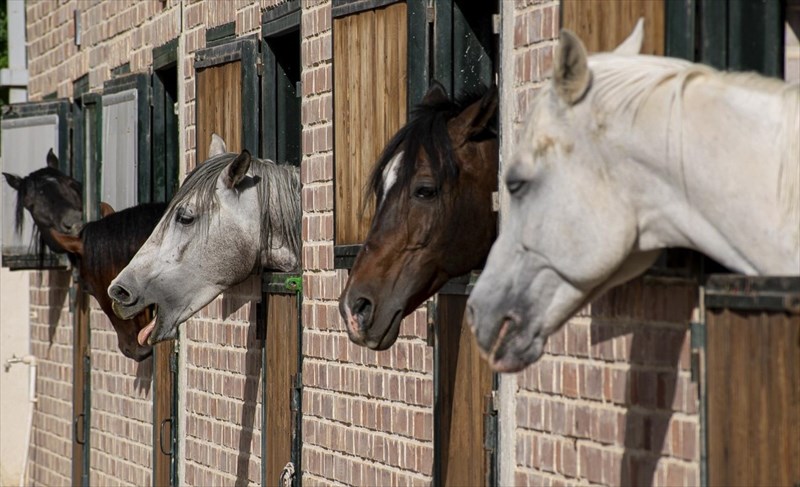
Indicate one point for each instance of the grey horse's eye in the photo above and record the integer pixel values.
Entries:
(184, 217)
(515, 185)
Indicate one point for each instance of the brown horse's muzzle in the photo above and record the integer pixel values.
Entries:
(375, 326)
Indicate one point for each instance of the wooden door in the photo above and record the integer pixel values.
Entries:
(370, 89)
(603, 25)
(279, 327)
(464, 390)
(219, 107)
(164, 414)
(81, 403)
(753, 381)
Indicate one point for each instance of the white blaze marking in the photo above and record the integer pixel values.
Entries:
(390, 174)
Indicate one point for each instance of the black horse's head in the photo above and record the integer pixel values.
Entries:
(51, 197)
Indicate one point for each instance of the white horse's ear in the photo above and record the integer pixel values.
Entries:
(217, 146)
(236, 170)
(52, 160)
(571, 69)
(633, 44)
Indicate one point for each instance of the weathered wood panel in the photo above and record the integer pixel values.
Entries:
(80, 357)
(464, 381)
(281, 366)
(753, 374)
(219, 107)
(370, 89)
(162, 413)
(603, 24)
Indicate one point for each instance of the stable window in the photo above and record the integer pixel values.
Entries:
(380, 69)
(125, 154)
(29, 131)
(227, 92)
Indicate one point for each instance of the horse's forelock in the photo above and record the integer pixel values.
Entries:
(426, 131)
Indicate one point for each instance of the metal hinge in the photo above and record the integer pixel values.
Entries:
(430, 15)
(495, 201)
(260, 67)
(496, 23)
(431, 308)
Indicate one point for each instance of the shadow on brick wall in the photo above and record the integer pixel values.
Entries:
(59, 282)
(144, 375)
(250, 404)
(646, 324)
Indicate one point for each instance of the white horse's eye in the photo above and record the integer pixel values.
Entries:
(184, 217)
(515, 185)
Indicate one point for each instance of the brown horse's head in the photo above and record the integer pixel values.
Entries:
(103, 248)
(433, 187)
(52, 198)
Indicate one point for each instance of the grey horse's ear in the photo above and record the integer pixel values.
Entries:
(633, 44)
(52, 160)
(436, 94)
(217, 146)
(13, 181)
(236, 170)
(571, 75)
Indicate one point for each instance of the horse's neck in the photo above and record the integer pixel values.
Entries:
(282, 207)
(714, 187)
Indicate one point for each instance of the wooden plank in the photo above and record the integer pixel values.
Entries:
(219, 107)
(370, 84)
(753, 387)
(162, 413)
(603, 25)
(281, 366)
(80, 371)
(464, 380)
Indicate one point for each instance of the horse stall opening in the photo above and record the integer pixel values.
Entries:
(29, 130)
(750, 353)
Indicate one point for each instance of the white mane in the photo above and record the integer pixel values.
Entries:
(621, 84)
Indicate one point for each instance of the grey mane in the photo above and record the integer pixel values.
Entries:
(278, 189)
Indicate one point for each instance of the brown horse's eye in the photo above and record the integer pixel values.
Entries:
(426, 192)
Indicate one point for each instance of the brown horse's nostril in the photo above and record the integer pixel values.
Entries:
(362, 311)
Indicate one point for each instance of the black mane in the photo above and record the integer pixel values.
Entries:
(111, 242)
(426, 130)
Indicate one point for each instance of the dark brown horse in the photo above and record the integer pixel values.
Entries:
(51, 197)
(433, 188)
(103, 248)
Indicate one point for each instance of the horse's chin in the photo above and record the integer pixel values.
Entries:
(389, 335)
(159, 330)
(513, 354)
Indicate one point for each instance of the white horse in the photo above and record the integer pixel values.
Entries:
(625, 155)
(234, 214)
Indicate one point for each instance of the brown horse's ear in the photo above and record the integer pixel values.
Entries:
(436, 94)
(236, 170)
(105, 209)
(571, 75)
(476, 117)
(68, 243)
(13, 181)
(52, 160)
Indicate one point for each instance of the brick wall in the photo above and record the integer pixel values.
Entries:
(367, 416)
(51, 342)
(121, 426)
(222, 398)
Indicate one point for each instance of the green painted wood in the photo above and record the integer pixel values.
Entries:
(756, 36)
(419, 70)
(714, 28)
(680, 18)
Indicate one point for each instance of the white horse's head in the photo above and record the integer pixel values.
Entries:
(566, 235)
(233, 214)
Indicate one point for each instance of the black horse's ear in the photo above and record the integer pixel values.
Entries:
(436, 94)
(52, 160)
(237, 169)
(476, 117)
(13, 181)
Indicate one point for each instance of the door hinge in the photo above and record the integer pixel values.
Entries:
(259, 67)
(431, 308)
(496, 23)
(430, 15)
